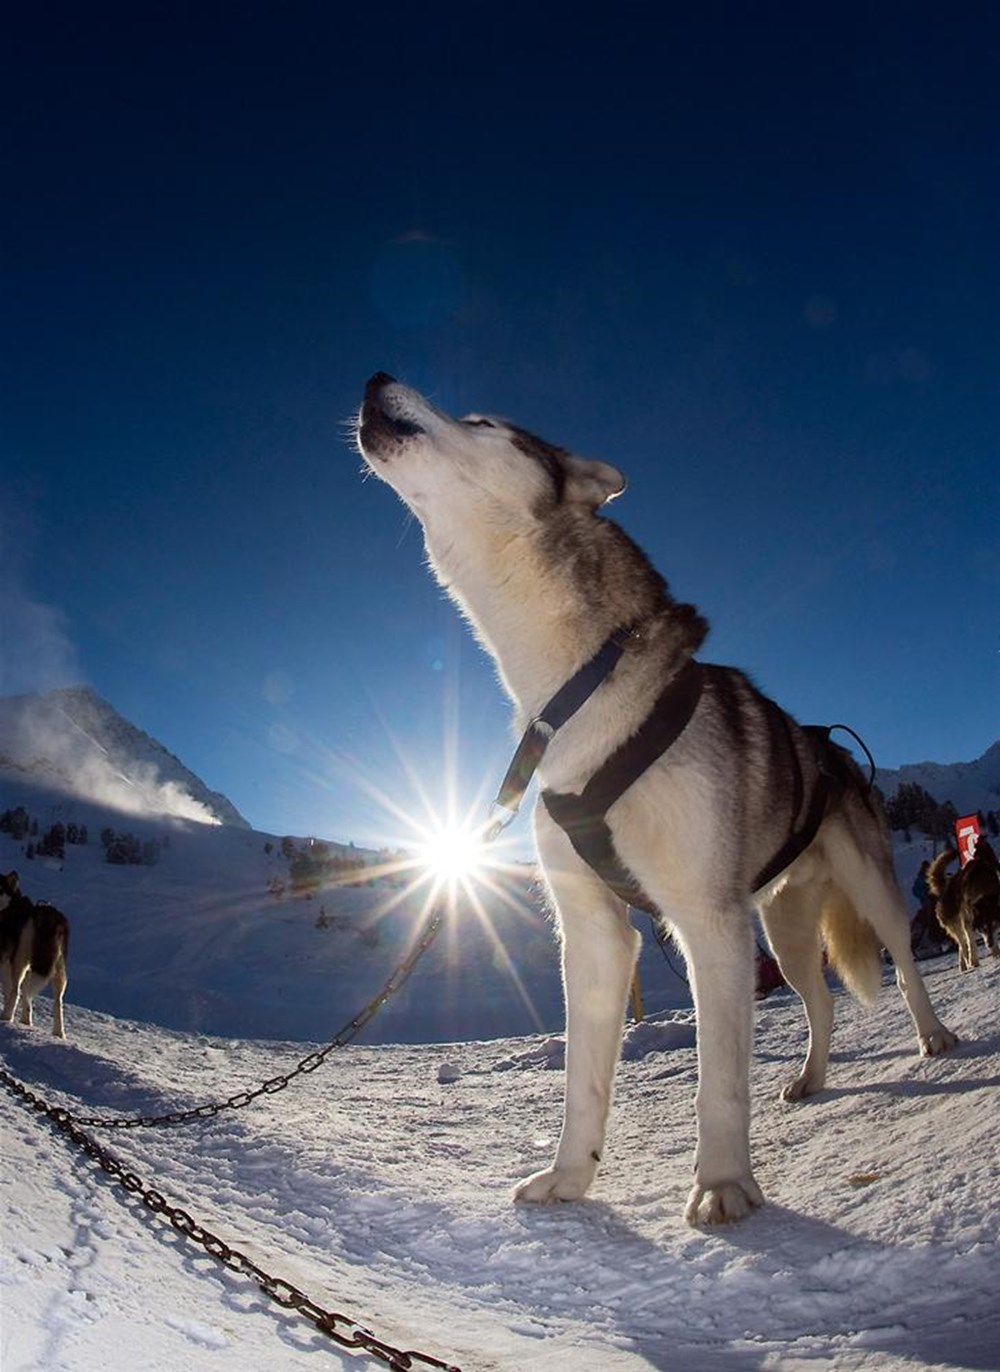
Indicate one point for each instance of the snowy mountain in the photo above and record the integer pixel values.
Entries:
(74, 741)
(970, 786)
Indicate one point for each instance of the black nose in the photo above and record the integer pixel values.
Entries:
(379, 380)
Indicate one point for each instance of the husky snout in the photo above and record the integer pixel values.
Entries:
(387, 417)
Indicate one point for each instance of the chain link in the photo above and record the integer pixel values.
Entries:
(342, 1329)
(309, 1063)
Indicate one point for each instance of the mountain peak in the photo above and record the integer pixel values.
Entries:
(968, 785)
(73, 738)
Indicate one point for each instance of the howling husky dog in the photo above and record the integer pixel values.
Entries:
(33, 943)
(744, 809)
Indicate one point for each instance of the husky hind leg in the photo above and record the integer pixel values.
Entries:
(33, 983)
(969, 958)
(954, 930)
(49, 959)
(870, 891)
(599, 951)
(791, 921)
(59, 983)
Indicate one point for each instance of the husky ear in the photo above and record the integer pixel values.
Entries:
(592, 483)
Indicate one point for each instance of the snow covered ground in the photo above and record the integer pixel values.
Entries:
(380, 1183)
(384, 1193)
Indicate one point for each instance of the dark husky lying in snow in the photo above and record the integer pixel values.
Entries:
(744, 809)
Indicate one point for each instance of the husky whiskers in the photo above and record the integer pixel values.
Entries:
(744, 809)
(34, 938)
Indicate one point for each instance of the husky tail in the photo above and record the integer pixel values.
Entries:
(937, 873)
(853, 947)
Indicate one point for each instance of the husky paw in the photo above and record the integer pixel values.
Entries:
(937, 1042)
(802, 1086)
(555, 1184)
(724, 1204)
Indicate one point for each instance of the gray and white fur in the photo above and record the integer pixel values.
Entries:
(512, 532)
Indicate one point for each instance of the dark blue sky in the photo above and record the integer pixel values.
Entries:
(747, 253)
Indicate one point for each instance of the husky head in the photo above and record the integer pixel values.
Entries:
(447, 470)
(512, 533)
(9, 888)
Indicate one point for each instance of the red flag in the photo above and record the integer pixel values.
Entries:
(967, 833)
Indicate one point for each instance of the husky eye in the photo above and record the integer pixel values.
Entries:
(482, 423)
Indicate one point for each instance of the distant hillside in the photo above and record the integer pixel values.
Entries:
(74, 741)
(217, 935)
(970, 786)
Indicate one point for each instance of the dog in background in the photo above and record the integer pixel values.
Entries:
(34, 939)
(968, 901)
(981, 891)
(512, 531)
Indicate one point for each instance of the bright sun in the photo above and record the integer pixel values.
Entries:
(443, 863)
(452, 854)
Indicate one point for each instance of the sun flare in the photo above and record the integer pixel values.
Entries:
(453, 854)
(440, 859)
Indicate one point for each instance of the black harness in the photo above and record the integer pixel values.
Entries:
(583, 817)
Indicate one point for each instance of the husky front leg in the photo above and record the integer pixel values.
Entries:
(599, 951)
(14, 971)
(719, 953)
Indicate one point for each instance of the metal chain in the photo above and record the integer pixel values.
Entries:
(341, 1328)
(309, 1063)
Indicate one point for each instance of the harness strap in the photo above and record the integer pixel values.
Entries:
(592, 840)
(799, 839)
(583, 683)
(583, 816)
(572, 694)
(661, 728)
(835, 776)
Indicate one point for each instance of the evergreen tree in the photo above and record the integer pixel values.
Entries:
(17, 823)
